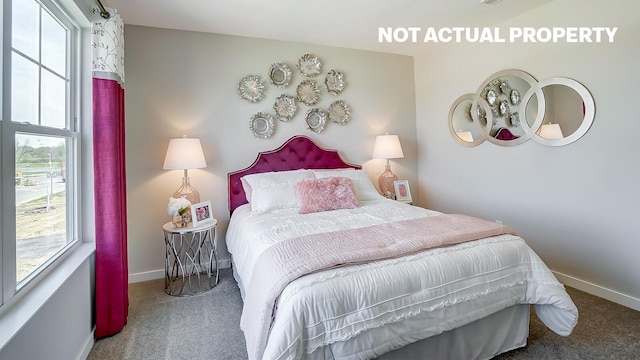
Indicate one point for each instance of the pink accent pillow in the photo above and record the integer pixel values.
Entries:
(326, 194)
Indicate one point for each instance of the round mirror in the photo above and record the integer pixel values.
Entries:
(511, 106)
(503, 92)
(466, 122)
(558, 111)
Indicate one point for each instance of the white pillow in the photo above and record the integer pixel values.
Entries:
(364, 188)
(273, 190)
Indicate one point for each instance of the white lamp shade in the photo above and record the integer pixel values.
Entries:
(184, 153)
(387, 147)
(551, 131)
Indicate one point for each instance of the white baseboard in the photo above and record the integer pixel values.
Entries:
(146, 276)
(159, 274)
(599, 291)
(88, 345)
(224, 264)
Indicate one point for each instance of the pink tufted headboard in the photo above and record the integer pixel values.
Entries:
(299, 152)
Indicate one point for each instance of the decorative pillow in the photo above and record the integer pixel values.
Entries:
(246, 187)
(273, 190)
(364, 188)
(326, 194)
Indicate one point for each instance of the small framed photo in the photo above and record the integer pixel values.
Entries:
(201, 213)
(403, 193)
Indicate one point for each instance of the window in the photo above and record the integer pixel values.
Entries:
(39, 141)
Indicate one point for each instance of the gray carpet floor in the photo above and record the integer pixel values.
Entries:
(206, 326)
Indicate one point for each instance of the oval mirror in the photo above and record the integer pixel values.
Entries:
(558, 111)
(466, 125)
(503, 92)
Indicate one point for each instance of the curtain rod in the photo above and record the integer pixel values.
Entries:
(103, 12)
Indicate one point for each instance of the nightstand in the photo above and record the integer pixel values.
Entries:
(191, 263)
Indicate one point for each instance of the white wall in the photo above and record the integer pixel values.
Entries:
(62, 328)
(180, 82)
(576, 205)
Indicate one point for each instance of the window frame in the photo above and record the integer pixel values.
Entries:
(10, 288)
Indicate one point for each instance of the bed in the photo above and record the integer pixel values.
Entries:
(360, 276)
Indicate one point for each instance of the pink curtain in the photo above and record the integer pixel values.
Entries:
(112, 296)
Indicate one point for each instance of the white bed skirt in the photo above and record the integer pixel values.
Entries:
(503, 331)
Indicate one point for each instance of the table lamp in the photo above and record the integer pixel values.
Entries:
(466, 136)
(387, 147)
(184, 154)
(551, 131)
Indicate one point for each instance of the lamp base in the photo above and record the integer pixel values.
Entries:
(188, 192)
(385, 182)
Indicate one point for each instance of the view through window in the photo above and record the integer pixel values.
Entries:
(41, 201)
(44, 133)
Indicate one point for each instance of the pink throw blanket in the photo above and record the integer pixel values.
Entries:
(290, 259)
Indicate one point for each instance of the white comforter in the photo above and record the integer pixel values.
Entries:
(394, 302)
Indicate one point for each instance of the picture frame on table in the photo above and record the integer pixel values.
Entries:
(201, 213)
(403, 192)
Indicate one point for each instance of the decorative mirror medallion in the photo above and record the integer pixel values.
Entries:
(504, 107)
(339, 112)
(308, 92)
(280, 74)
(505, 88)
(285, 107)
(316, 120)
(309, 65)
(492, 97)
(251, 88)
(514, 119)
(262, 125)
(515, 97)
(334, 81)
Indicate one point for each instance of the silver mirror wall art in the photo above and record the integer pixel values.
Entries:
(511, 107)
(308, 92)
(564, 105)
(467, 122)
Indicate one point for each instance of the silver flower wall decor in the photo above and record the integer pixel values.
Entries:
(309, 65)
(308, 92)
(316, 119)
(251, 88)
(334, 81)
(262, 125)
(280, 74)
(339, 112)
(285, 107)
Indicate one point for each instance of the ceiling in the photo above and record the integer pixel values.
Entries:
(343, 23)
